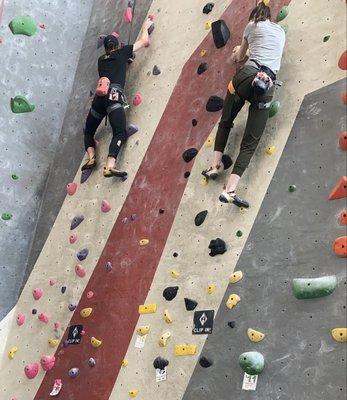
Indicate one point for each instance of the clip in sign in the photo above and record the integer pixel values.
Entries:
(249, 382)
(74, 336)
(160, 374)
(203, 322)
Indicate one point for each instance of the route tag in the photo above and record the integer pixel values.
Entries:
(140, 341)
(249, 382)
(160, 374)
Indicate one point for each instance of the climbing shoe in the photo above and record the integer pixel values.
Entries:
(212, 172)
(90, 164)
(109, 172)
(231, 197)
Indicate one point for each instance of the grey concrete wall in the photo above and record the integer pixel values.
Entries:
(41, 67)
(291, 237)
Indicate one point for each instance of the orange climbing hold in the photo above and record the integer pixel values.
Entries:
(344, 97)
(343, 217)
(343, 61)
(340, 246)
(343, 140)
(340, 190)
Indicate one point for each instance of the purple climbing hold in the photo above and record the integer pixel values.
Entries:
(133, 217)
(85, 175)
(131, 129)
(82, 254)
(72, 307)
(92, 362)
(156, 70)
(76, 221)
(189, 154)
(66, 343)
(73, 372)
(108, 266)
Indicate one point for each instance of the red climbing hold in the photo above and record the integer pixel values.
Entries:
(344, 97)
(137, 100)
(340, 190)
(343, 140)
(80, 271)
(105, 206)
(71, 188)
(51, 282)
(43, 317)
(343, 217)
(90, 294)
(128, 15)
(37, 293)
(42, 26)
(73, 238)
(47, 362)
(343, 61)
(340, 246)
(56, 325)
(31, 370)
(20, 319)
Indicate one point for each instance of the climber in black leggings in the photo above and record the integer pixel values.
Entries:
(110, 100)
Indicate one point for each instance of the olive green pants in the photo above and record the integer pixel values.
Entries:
(256, 121)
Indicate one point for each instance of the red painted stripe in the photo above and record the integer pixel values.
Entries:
(159, 184)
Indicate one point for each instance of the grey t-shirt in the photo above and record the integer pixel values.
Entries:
(265, 42)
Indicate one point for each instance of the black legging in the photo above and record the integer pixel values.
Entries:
(117, 121)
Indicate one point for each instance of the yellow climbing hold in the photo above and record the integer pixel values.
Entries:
(125, 363)
(270, 150)
(144, 242)
(147, 309)
(53, 342)
(339, 334)
(209, 141)
(211, 288)
(95, 342)
(243, 210)
(236, 276)
(86, 312)
(203, 53)
(203, 181)
(164, 338)
(255, 336)
(175, 274)
(12, 352)
(266, 2)
(208, 25)
(232, 301)
(133, 392)
(167, 317)
(185, 349)
(143, 330)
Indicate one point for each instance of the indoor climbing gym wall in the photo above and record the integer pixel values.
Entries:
(148, 287)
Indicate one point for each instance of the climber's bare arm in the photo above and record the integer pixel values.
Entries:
(144, 38)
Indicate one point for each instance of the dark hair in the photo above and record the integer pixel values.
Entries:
(260, 13)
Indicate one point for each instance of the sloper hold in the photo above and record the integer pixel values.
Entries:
(82, 254)
(255, 336)
(205, 362)
(236, 277)
(217, 246)
(221, 33)
(200, 217)
(85, 175)
(208, 8)
(311, 288)
(340, 189)
(170, 292)
(252, 362)
(189, 154)
(340, 246)
(23, 26)
(190, 304)
(76, 221)
(214, 103)
(147, 308)
(31, 370)
(160, 363)
(343, 61)
(132, 129)
(20, 104)
(203, 67)
(343, 140)
(185, 349)
(47, 362)
(86, 312)
(282, 13)
(274, 108)
(339, 334)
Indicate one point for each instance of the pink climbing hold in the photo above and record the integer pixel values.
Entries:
(137, 100)
(105, 206)
(80, 271)
(20, 319)
(42, 26)
(128, 15)
(37, 293)
(52, 282)
(47, 362)
(83, 332)
(115, 34)
(71, 188)
(31, 370)
(57, 325)
(43, 317)
(90, 294)
(73, 238)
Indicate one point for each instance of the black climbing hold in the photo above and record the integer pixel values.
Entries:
(239, 233)
(232, 324)
(170, 292)
(214, 103)
(208, 8)
(187, 174)
(221, 33)
(190, 304)
(34, 311)
(91, 94)
(189, 154)
(205, 362)
(63, 289)
(227, 161)
(156, 70)
(217, 246)
(194, 122)
(160, 363)
(82, 254)
(76, 221)
(108, 266)
(200, 217)
(150, 29)
(202, 68)
(175, 254)
(161, 211)
(326, 38)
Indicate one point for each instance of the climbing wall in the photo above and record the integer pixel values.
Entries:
(147, 242)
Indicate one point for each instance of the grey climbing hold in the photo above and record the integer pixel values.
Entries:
(132, 129)
(190, 304)
(108, 266)
(217, 246)
(156, 70)
(160, 363)
(92, 362)
(205, 362)
(214, 104)
(85, 175)
(208, 8)
(252, 362)
(200, 217)
(221, 33)
(73, 372)
(82, 254)
(170, 293)
(76, 221)
(189, 154)
(72, 307)
(203, 67)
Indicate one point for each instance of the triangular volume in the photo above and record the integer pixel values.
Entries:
(340, 190)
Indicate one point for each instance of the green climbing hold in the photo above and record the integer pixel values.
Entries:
(239, 233)
(274, 108)
(23, 26)
(252, 362)
(312, 288)
(326, 38)
(291, 188)
(20, 104)
(285, 28)
(282, 13)
(14, 177)
(6, 216)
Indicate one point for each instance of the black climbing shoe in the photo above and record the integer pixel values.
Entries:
(90, 164)
(110, 172)
(212, 173)
(231, 197)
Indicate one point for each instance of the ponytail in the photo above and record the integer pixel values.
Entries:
(261, 12)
